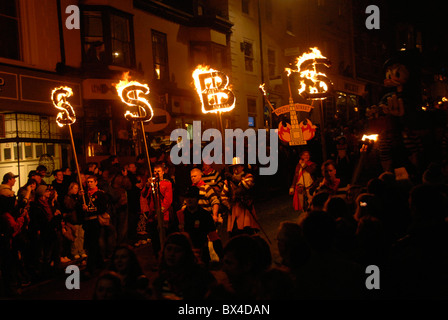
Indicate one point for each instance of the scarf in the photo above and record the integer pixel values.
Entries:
(91, 192)
(198, 184)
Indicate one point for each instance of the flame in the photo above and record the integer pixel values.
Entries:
(373, 137)
(318, 84)
(261, 86)
(59, 98)
(213, 91)
(130, 93)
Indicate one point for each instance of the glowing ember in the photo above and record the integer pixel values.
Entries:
(59, 97)
(373, 137)
(314, 84)
(213, 90)
(130, 92)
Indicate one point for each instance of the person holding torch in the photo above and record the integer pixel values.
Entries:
(150, 200)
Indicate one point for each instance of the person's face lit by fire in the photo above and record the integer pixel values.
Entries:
(305, 156)
(238, 169)
(329, 172)
(159, 172)
(196, 176)
(91, 183)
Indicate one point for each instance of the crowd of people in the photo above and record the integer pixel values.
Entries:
(201, 223)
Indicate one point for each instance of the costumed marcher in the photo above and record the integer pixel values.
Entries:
(398, 117)
(302, 181)
(95, 216)
(237, 196)
(148, 206)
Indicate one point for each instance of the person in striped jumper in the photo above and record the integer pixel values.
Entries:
(212, 177)
(209, 201)
(237, 196)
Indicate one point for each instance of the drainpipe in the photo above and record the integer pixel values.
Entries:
(61, 65)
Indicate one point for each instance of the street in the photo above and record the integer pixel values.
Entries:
(270, 211)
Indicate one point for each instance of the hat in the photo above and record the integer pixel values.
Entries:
(41, 190)
(236, 161)
(8, 176)
(192, 192)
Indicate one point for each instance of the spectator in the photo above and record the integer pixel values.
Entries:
(108, 286)
(329, 181)
(180, 276)
(44, 225)
(11, 225)
(126, 264)
(26, 193)
(422, 255)
(291, 246)
(133, 195)
(33, 174)
(7, 195)
(119, 186)
(60, 185)
(326, 275)
(367, 205)
(243, 265)
(73, 216)
(41, 170)
(198, 223)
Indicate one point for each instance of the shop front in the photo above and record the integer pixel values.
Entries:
(29, 135)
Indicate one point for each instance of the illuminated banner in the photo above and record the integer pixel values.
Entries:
(297, 107)
(213, 90)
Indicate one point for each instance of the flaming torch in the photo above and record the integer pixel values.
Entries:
(214, 91)
(133, 93)
(367, 143)
(314, 84)
(66, 116)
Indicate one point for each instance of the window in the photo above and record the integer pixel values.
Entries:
(252, 106)
(252, 111)
(160, 55)
(9, 26)
(107, 38)
(248, 56)
(121, 40)
(206, 53)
